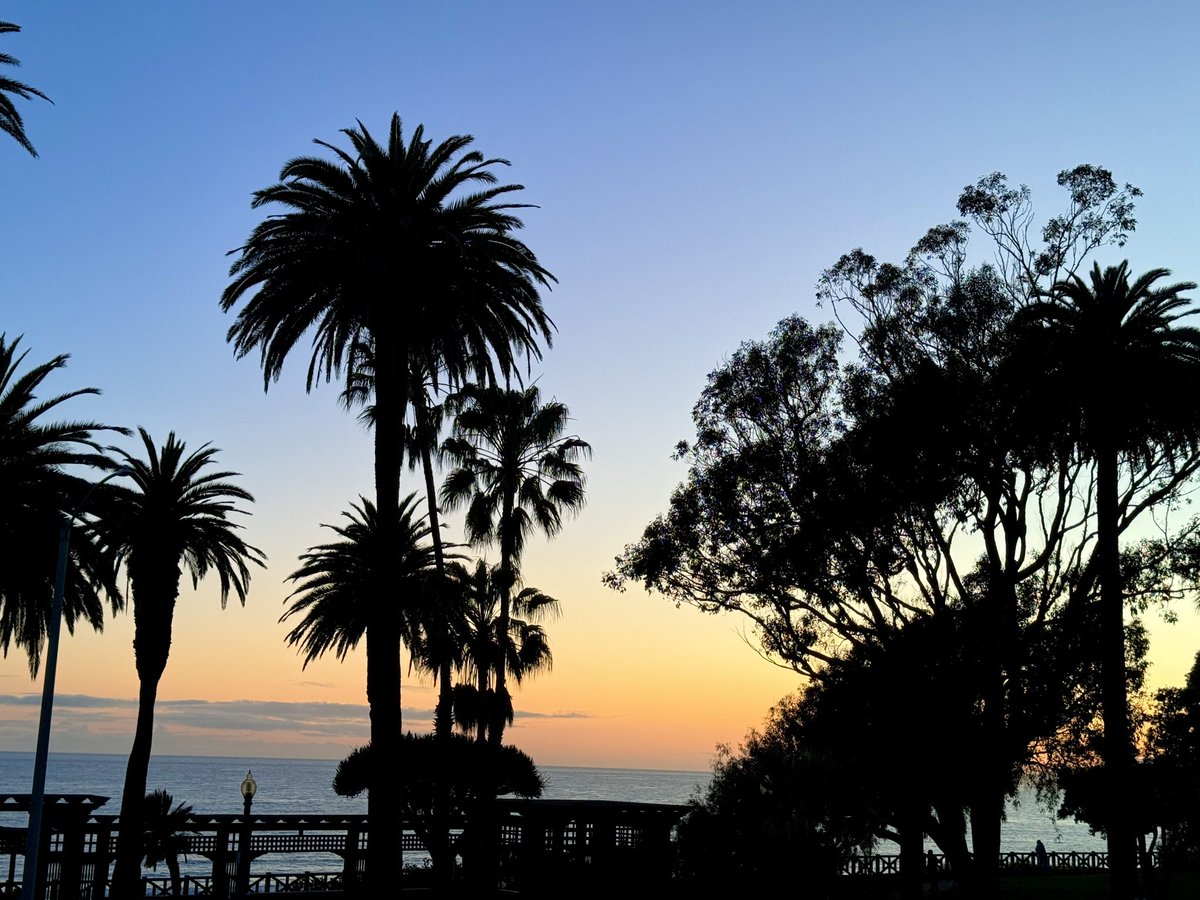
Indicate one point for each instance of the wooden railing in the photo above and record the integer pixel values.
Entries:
(1057, 860)
(540, 838)
(203, 885)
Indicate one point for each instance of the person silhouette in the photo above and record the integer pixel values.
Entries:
(931, 869)
(1043, 858)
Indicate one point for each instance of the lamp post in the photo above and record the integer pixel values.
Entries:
(248, 788)
(37, 797)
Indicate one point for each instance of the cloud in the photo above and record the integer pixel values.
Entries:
(87, 723)
(68, 701)
(526, 714)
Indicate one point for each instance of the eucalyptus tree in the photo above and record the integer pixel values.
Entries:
(835, 498)
(38, 485)
(407, 248)
(1125, 377)
(177, 516)
(11, 122)
(516, 471)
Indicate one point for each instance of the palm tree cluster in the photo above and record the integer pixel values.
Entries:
(398, 260)
(177, 515)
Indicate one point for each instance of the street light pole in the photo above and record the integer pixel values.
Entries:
(248, 788)
(37, 798)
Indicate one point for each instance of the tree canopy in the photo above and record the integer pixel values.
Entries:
(908, 463)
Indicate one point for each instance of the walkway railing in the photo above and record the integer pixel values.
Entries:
(539, 838)
(204, 886)
(1057, 860)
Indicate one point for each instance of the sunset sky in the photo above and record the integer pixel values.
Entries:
(694, 165)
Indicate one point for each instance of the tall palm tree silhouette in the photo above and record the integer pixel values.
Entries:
(516, 472)
(11, 122)
(36, 489)
(177, 516)
(407, 248)
(1131, 375)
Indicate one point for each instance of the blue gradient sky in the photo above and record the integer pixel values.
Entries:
(696, 165)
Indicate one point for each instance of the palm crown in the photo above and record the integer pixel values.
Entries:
(382, 240)
(336, 587)
(524, 650)
(178, 517)
(516, 471)
(35, 490)
(10, 117)
(1119, 356)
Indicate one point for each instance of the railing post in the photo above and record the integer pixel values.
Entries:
(220, 861)
(244, 857)
(350, 856)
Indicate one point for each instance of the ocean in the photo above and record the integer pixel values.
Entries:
(292, 786)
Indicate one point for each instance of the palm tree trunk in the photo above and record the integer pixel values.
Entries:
(991, 774)
(987, 808)
(176, 877)
(443, 717)
(484, 708)
(384, 810)
(1118, 746)
(128, 868)
(508, 578)
(912, 857)
(950, 834)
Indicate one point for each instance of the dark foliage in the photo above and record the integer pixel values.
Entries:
(11, 122)
(473, 769)
(780, 812)
(935, 475)
(39, 484)
(399, 256)
(166, 833)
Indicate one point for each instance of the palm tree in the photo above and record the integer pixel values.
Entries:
(165, 834)
(36, 489)
(178, 515)
(419, 439)
(409, 249)
(522, 651)
(516, 472)
(336, 584)
(1131, 375)
(10, 118)
(338, 594)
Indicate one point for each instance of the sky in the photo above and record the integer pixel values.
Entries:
(694, 167)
